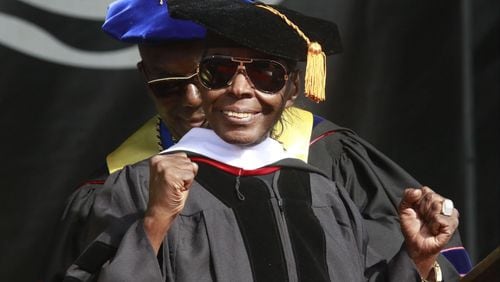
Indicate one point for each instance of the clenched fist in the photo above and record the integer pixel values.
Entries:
(170, 178)
(425, 228)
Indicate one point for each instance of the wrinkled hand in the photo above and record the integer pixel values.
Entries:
(170, 178)
(425, 229)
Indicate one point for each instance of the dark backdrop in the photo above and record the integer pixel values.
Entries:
(402, 83)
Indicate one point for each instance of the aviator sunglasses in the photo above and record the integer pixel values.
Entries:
(265, 75)
(169, 86)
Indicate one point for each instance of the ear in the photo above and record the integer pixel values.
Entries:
(293, 89)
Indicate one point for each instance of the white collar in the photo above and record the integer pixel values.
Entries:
(205, 142)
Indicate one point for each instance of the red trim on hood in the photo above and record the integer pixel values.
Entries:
(236, 170)
(328, 133)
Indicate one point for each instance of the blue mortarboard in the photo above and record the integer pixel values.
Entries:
(147, 21)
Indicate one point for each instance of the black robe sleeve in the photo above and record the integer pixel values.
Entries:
(119, 248)
(374, 183)
(72, 233)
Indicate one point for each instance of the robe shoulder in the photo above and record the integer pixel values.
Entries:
(72, 234)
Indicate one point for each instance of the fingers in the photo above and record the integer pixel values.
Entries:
(430, 203)
(189, 181)
(439, 222)
(195, 167)
(447, 226)
(425, 202)
(410, 197)
(426, 206)
(171, 176)
(175, 170)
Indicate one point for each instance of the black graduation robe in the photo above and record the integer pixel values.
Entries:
(372, 180)
(292, 224)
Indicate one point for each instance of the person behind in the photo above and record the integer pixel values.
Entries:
(163, 54)
(169, 60)
(236, 207)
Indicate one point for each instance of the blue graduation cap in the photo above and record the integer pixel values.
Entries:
(147, 21)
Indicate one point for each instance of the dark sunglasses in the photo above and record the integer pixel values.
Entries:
(170, 86)
(265, 75)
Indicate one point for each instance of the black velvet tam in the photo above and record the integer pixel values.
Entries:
(259, 29)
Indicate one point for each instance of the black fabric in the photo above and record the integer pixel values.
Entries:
(95, 256)
(72, 232)
(71, 279)
(303, 226)
(343, 150)
(259, 29)
(255, 218)
(205, 232)
(374, 183)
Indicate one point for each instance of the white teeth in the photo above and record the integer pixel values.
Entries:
(237, 114)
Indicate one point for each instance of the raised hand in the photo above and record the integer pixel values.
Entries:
(170, 178)
(427, 225)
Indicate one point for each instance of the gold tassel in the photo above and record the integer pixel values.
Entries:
(315, 76)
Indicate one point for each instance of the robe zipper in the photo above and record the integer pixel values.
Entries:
(277, 204)
(240, 195)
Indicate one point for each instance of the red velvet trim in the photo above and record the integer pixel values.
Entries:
(95, 182)
(236, 170)
(328, 133)
(91, 182)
